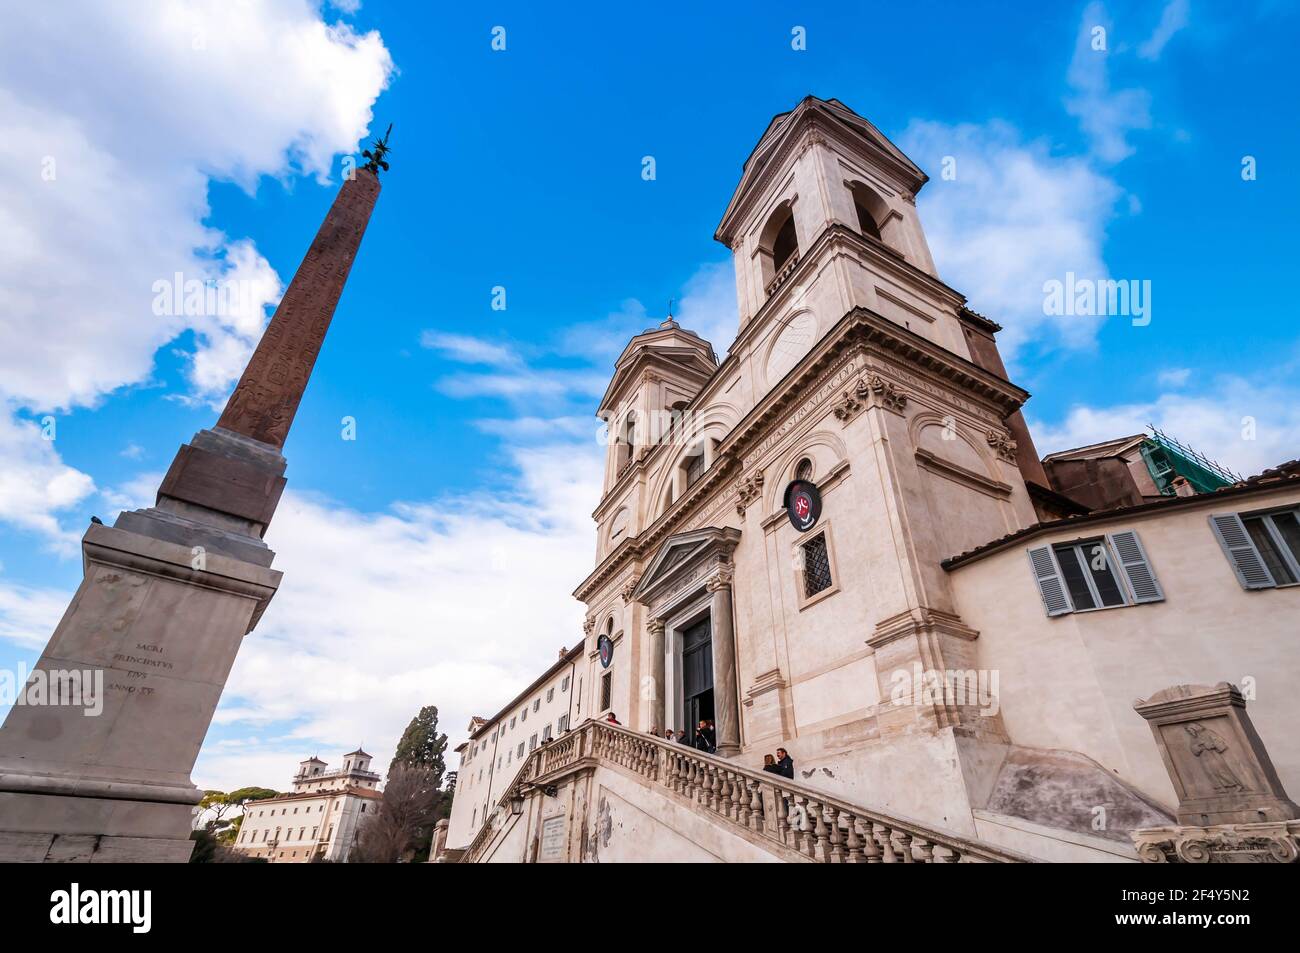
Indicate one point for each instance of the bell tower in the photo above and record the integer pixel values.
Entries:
(844, 319)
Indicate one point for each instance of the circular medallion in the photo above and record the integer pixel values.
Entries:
(605, 646)
(803, 504)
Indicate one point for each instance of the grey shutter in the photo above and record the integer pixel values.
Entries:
(1049, 581)
(1240, 549)
(1133, 560)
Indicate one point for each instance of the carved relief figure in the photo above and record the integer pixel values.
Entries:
(1209, 748)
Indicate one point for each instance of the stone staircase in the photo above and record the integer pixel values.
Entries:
(789, 820)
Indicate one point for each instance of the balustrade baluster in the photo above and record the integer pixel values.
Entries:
(854, 842)
(905, 845)
(881, 834)
(820, 842)
(837, 838)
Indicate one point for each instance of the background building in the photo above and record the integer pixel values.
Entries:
(498, 746)
(319, 819)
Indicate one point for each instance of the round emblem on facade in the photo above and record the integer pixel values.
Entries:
(803, 504)
(605, 646)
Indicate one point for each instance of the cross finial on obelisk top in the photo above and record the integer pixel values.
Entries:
(377, 157)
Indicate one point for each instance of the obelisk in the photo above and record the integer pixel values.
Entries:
(167, 596)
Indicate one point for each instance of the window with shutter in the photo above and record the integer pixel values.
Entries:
(1048, 576)
(1263, 548)
(1142, 582)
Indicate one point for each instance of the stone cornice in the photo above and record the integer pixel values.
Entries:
(638, 547)
(839, 239)
(859, 329)
(871, 333)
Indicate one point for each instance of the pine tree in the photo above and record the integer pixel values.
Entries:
(422, 747)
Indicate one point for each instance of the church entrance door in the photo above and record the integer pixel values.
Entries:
(697, 675)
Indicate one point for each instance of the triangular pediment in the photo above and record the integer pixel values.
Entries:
(707, 544)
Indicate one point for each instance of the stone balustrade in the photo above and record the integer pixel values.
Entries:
(773, 808)
(787, 269)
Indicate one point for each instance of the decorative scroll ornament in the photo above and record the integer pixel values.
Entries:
(589, 625)
(848, 406)
(747, 491)
(1003, 445)
(629, 588)
(722, 579)
(1264, 843)
(887, 395)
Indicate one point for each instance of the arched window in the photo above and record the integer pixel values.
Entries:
(778, 247)
(786, 244)
(625, 443)
(871, 210)
(695, 464)
(804, 470)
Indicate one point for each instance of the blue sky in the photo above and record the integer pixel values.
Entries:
(430, 560)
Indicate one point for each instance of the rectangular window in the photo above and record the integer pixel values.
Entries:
(695, 468)
(606, 689)
(532, 743)
(550, 695)
(1089, 575)
(562, 725)
(512, 724)
(564, 685)
(546, 733)
(523, 715)
(1262, 548)
(521, 750)
(537, 703)
(1099, 573)
(816, 566)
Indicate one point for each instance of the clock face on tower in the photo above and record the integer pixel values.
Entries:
(803, 504)
(790, 345)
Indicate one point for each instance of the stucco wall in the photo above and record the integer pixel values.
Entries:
(1070, 681)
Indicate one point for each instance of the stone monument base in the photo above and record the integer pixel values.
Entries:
(58, 828)
(95, 759)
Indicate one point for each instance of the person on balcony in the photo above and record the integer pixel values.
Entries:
(705, 739)
(784, 764)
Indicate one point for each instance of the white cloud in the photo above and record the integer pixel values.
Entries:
(1172, 19)
(29, 614)
(1174, 376)
(1246, 426)
(106, 168)
(708, 305)
(467, 349)
(457, 602)
(35, 484)
(1014, 217)
(1105, 115)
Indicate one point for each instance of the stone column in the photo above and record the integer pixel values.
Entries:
(658, 703)
(726, 705)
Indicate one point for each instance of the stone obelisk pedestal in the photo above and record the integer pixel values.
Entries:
(168, 594)
(76, 785)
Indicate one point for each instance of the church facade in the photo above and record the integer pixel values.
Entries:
(838, 539)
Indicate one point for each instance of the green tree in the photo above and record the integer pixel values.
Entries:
(422, 747)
